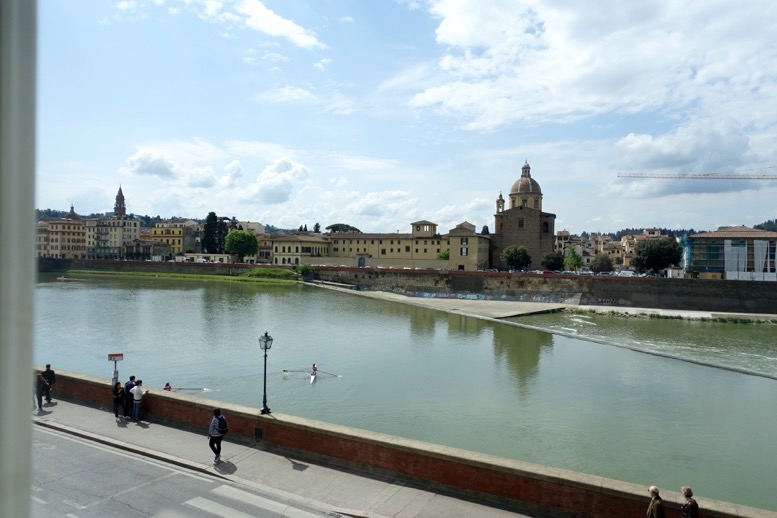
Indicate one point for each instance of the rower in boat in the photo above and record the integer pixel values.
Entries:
(313, 373)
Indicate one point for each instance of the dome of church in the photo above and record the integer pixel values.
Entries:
(526, 184)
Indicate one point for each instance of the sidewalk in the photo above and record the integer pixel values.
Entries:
(331, 490)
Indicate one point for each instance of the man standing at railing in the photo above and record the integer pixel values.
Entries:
(50, 378)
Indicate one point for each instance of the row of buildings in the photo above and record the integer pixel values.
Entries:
(731, 252)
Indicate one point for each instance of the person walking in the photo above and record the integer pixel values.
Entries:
(216, 431)
(137, 399)
(39, 389)
(51, 378)
(128, 397)
(656, 507)
(689, 508)
(118, 399)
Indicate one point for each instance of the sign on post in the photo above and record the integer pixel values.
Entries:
(115, 357)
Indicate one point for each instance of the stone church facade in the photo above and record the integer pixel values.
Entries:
(520, 221)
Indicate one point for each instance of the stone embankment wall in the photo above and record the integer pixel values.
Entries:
(635, 292)
(516, 485)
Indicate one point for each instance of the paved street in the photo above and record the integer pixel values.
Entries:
(85, 464)
(78, 478)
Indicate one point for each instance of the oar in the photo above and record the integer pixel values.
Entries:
(191, 388)
(335, 375)
(297, 370)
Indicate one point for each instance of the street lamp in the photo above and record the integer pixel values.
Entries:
(265, 342)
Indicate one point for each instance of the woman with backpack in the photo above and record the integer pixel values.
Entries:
(216, 431)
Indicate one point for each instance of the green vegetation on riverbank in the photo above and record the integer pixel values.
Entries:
(255, 275)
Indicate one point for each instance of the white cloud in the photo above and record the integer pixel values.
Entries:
(507, 62)
(346, 19)
(263, 19)
(287, 94)
(322, 63)
(276, 182)
(148, 162)
(340, 107)
(126, 5)
(201, 178)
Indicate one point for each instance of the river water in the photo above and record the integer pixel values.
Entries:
(567, 400)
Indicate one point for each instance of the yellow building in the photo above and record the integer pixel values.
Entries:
(419, 248)
(169, 233)
(62, 238)
(298, 248)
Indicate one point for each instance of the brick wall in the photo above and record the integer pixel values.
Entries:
(520, 486)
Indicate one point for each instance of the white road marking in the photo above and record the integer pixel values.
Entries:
(129, 455)
(215, 508)
(261, 502)
(38, 500)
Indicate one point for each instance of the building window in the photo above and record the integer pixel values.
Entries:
(464, 251)
(407, 249)
(464, 240)
(382, 251)
(520, 223)
(416, 250)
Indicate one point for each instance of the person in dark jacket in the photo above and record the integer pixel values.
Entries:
(656, 507)
(690, 508)
(128, 402)
(39, 388)
(118, 399)
(50, 378)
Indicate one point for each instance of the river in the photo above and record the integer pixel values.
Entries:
(557, 400)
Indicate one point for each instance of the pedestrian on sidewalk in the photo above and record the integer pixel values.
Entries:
(656, 507)
(128, 397)
(216, 431)
(50, 378)
(118, 399)
(39, 388)
(137, 399)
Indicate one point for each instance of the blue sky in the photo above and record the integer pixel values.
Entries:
(382, 112)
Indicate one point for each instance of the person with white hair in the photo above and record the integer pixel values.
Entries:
(656, 507)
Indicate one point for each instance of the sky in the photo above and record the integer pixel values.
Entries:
(380, 113)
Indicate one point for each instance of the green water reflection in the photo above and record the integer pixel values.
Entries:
(489, 387)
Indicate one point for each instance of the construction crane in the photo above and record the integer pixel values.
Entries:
(705, 176)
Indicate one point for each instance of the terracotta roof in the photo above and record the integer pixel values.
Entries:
(740, 232)
(359, 235)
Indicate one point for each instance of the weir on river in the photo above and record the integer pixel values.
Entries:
(442, 378)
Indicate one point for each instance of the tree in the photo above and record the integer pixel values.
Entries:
(241, 243)
(444, 255)
(601, 263)
(655, 255)
(209, 233)
(316, 228)
(485, 230)
(573, 261)
(516, 257)
(342, 227)
(213, 234)
(553, 261)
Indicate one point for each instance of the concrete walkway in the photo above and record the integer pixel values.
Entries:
(496, 309)
(335, 492)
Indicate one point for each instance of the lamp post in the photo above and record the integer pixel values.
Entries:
(265, 342)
